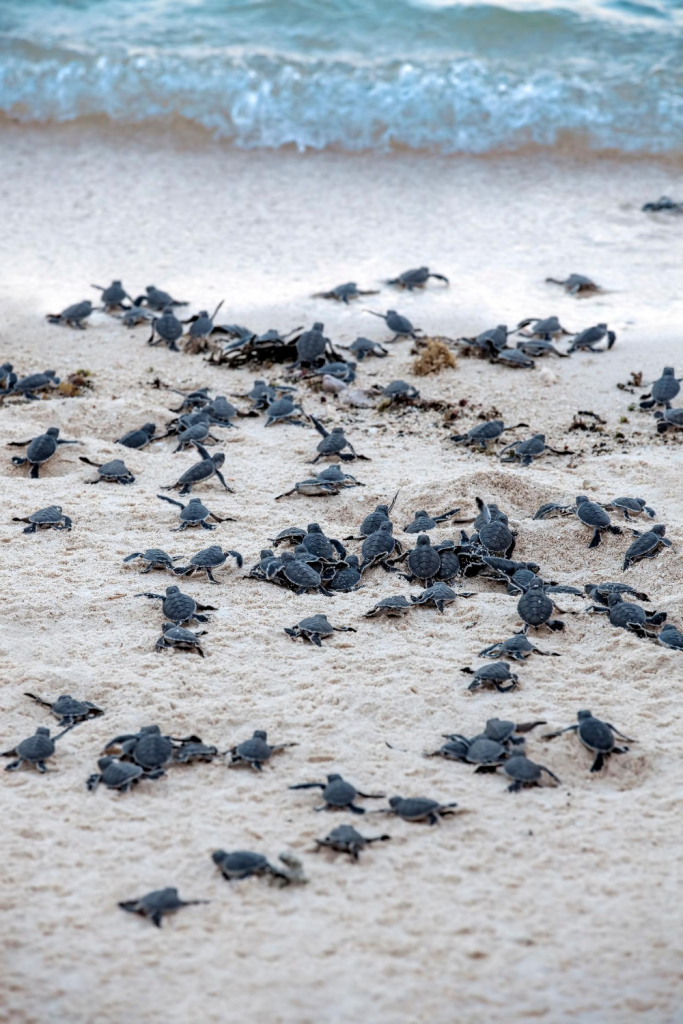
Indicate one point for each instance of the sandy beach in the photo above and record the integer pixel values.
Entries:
(555, 904)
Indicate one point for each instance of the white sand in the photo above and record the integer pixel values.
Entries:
(556, 904)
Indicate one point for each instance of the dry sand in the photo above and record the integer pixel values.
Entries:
(561, 904)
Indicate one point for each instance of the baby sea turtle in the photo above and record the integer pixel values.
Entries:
(297, 575)
(374, 520)
(400, 325)
(138, 438)
(312, 346)
(266, 566)
(201, 327)
(330, 480)
(72, 316)
(158, 903)
(505, 732)
(596, 735)
(153, 558)
(282, 411)
(416, 278)
(347, 578)
(136, 315)
(34, 750)
(631, 507)
(669, 418)
(528, 450)
(245, 864)
(627, 615)
(167, 328)
(543, 328)
(663, 203)
(68, 709)
(114, 297)
(333, 443)
(291, 534)
(179, 636)
(646, 545)
(363, 347)
(325, 548)
(195, 513)
(535, 608)
(114, 471)
(208, 559)
(484, 433)
(664, 390)
(344, 293)
(600, 592)
(220, 411)
(315, 627)
(489, 342)
(157, 299)
(29, 386)
(515, 357)
(517, 647)
(423, 522)
(537, 347)
(38, 450)
(592, 336)
(391, 607)
(379, 545)
(670, 637)
(194, 750)
(417, 808)
(49, 518)
(345, 839)
(256, 751)
(525, 773)
(180, 608)
(424, 561)
(147, 748)
(209, 466)
(576, 284)
(115, 774)
(439, 594)
(495, 535)
(399, 391)
(492, 676)
(593, 515)
(338, 793)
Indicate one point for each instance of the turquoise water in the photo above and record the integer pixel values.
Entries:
(452, 77)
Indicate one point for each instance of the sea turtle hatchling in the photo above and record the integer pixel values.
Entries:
(594, 516)
(333, 444)
(423, 522)
(69, 710)
(646, 545)
(245, 864)
(180, 608)
(167, 328)
(439, 594)
(363, 347)
(157, 904)
(38, 450)
(156, 298)
(138, 438)
(631, 507)
(324, 548)
(535, 608)
(194, 750)
(282, 411)
(344, 293)
(399, 391)
(49, 518)
(391, 607)
(136, 315)
(378, 546)
(256, 751)
(290, 535)
(114, 471)
(29, 386)
(179, 636)
(671, 637)
(114, 297)
(315, 628)
(592, 336)
(313, 345)
(35, 750)
(484, 433)
(664, 390)
(195, 513)
(525, 774)
(416, 278)
(600, 592)
(596, 735)
(528, 450)
(400, 325)
(200, 472)
(374, 520)
(417, 808)
(515, 357)
(480, 750)
(201, 328)
(663, 203)
(347, 577)
(297, 575)
(329, 481)
(116, 774)
(153, 558)
(627, 615)
(495, 676)
(207, 560)
(517, 647)
(576, 284)
(72, 316)
(146, 748)
(543, 329)
(489, 342)
(495, 536)
(670, 418)
(337, 794)
(537, 347)
(345, 839)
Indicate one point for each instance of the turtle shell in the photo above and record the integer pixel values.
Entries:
(345, 580)
(311, 346)
(671, 637)
(301, 574)
(486, 431)
(420, 524)
(194, 512)
(180, 635)
(517, 644)
(642, 545)
(455, 750)
(41, 448)
(450, 563)
(374, 520)
(523, 578)
(381, 542)
(49, 514)
(118, 773)
(497, 672)
(240, 863)
(535, 607)
(339, 793)
(625, 613)
(67, 706)
(424, 561)
(392, 605)
(666, 388)
(280, 409)
(484, 750)
(137, 438)
(532, 446)
(200, 471)
(334, 442)
(495, 536)
(114, 294)
(316, 624)
(437, 592)
(291, 533)
(168, 327)
(221, 409)
(37, 747)
(114, 470)
(414, 808)
(318, 544)
(160, 900)
(178, 607)
(397, 387)
(153, 750)
(596, 735)
(499, 729)
(344, 836)
(593, 515)
(212, 556)
(631, 504)
(155, 556)
(254, 749)
(201, 326)
(521, 769)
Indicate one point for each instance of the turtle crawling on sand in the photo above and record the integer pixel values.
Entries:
(180, 608)
(484, 433)
(400, 325)
(345, 839)
(646, 545)
(494, 676)
(72, 316)
(528, 450)
(663, 390)
(344, 293)
(314, 628)
(588, 339)
(518, 647)
(416, 278)
(115, 471)
(34, 750)
(114, 297)
(333, 444)
(627, 615)
(195, 513)
(49, 518)
(245, 864)
(158, 903)
(338, 794)
(576, 284)
(38, 450)
(418, 808)
(256, 751)
(179, 636)
(200, 472)
(596, 735)
(68, 709)
(153, 558)
(29, 386)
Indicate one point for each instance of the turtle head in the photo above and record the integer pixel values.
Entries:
(613, 599)
(149, 428)
(423, 541)
(395, 801)
(266, 553)
(337, 430)
(602, 327)
(659, 529)
(49, 373)
(421, 514)
(203, 312)
(335, 777)
(313, 528)
(581, 499)
(104, 762)
(668, 371)
(218, 856)
(287, 556)
(218, 459)
(386, 527)
(583, 715)
(52, 431)
(166, 626)
(352, 560)
(383, 508)
(172, 590)
(317, 326)
(42, 731)
(151, 730)
(259, 734)
(658, 415)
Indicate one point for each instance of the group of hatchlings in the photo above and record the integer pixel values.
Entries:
(319, 563)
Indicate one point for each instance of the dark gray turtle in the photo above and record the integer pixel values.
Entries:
(68, 709)
(537, 347)
(146, 748)
(450, 562)
(600, 592)
(114, 297)
(346, 579)
(525, 773)
(72, 316)
(669, 418)
(631, 507)
(209, 466)
(158, 903)
(400, 325)
(345, 839)
(220, 411)
(455, 749)
(501, 568)
(338, 793)
(535, 608)
(114, 471)
(520, 581)
(266, 566)
(344, 293)
(488, 513)
(418, 808)
(494, 675)
(481, 750)
(49, 518)
(596, 736)
(528, 450)
(495, 535)
(400, 391)
(592, 336)
(315, 628)
(330, 481)
(664, 390)
(646, 545)
(282, 411)
(115, 774)
(153, 558)
(29, 386)
(196, 432)
(256, 751)
(576, 284)
(391, 607)
(424, 561)
(195, 513)
(502, 731)
(374, 520)
(663, 203)
(290, 535)
(325, 548)
(7, 377)
(333, 443)
(34, 750)
(515, 357)
(312, 346)
(363, 347)
(416, 278)
(489, 342)
(201, 328)
(627, 615)
(136, 315)
(192, 400)
(594, 516)
(670, 637)
(517, 647)
(543, 328)
(207, 560)
(166, 328)
(297, 575)
(379, 545)
(484, 433)
(38, 450)
(194, 750)
(138, 438)
(553, 508)
(245, 864)
(180, 608)
(439, 594)
(179, 636)
(157, 299)
(423, 522)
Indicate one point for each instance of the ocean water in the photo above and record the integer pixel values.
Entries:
(356, 74)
